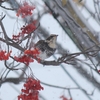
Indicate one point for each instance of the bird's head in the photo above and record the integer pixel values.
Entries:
(51, 40)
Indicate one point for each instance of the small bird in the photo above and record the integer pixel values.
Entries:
(46, 47)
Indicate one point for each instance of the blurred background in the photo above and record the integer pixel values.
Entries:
(77, 23)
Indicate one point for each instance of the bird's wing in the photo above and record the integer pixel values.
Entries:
(41, 44)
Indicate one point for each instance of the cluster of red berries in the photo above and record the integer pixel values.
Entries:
(4, 55)
(25, 10)
(28, 28)
(27, 57)
(31, 90)
(33, 52)
(24, 59)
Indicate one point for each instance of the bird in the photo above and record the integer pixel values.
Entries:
(46, 47)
